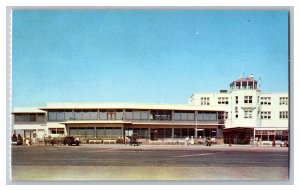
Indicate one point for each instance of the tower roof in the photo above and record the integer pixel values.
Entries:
(244, 80)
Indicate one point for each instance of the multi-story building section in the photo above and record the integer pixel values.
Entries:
(249, 113)
(113, 120)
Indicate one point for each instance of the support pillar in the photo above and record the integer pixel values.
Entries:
(123, 133)
(172, 132)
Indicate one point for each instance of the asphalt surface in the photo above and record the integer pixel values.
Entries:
(147, 162)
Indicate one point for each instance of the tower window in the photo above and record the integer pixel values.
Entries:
(265, 100)
(283, 115)
(204, 101)
(283, 101)
(223, 100)
(265, 115)
(247, 99)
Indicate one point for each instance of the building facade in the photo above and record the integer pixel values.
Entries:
(238, 116)
(249, 113)
(114, 120)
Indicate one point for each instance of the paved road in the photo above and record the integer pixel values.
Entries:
(148, 162)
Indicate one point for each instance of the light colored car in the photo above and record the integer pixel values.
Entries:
(284, 143)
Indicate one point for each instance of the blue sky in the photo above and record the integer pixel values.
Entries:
(146, 56)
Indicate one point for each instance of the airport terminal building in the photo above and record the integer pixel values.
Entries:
(114, 120)
(235, 116)
(249, 113)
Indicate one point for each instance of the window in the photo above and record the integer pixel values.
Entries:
(78, 115)
(85, 115)
(265, 115)
(204, 100)
(207, 116)
(236, 99)
(136, 115)
(140, 115)
(161, 115)
(247, 99)
(223, 100)
(119, 115)
(248, 114)
(60, 115)
(191, 116)
(93, 115)
(226, 115)
(184, 116)
(128, 115)
(283, 101)
(111, 115)
(51, 115)
(236, 112)
(144, 115)
(103, 115)
(265, 100)
(283, 115)
(28, 118)
(69, 115)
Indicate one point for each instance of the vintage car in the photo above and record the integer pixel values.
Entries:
(17, 140)
(133, 141)
(284, 143)
(70, 140)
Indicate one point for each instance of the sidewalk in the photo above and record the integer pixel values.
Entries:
(181, 147)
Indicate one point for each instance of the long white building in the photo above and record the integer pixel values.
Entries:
(249, 113)
(236, 116)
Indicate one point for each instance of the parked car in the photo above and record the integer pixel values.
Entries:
(284, 143)
(70, 140)
(133, 140)
(17, 140)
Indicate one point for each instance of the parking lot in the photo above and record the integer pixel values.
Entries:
(148, 162)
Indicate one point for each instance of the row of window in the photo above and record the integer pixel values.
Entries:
(164, 115)
(271, 132)
(153, 134)
(247, 99)
(30, 118)
(265, 114)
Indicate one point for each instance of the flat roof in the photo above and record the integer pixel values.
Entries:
(141, 106)
(27, 110)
